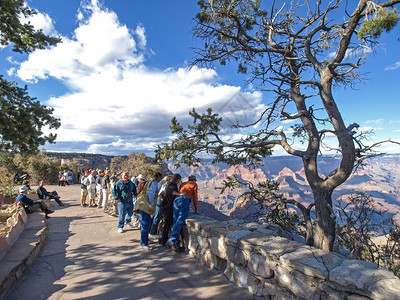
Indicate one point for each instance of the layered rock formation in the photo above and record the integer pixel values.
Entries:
(379, 177)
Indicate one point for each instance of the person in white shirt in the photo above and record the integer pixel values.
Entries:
(91, 187)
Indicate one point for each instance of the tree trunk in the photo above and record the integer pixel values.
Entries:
(326, 223)
(309, 228)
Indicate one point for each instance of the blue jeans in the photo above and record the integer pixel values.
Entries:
(156, 218)
(125, 212)
(181, 211)
(145, 220)
(134, 216)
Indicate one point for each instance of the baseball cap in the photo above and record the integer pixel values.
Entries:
(192, 178)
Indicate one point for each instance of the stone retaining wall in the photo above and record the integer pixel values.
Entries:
(262, 259)
(15, 225)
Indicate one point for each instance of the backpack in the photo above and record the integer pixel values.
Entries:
(142, 201)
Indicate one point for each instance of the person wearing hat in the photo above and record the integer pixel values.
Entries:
(141, 183)
(167, 208)
(123, 192)
(162, 185)
(188, 190)
(30, 205)
(190, 187)
(84, 191)
(145, 218)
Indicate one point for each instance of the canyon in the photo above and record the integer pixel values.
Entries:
(379, 178)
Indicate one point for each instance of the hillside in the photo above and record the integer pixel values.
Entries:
(87, 160)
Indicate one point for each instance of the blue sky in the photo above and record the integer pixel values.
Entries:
(121, 74)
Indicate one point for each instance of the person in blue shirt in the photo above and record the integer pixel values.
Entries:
(30, 205)
(123, 192)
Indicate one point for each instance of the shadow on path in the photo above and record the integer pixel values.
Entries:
(85, 258)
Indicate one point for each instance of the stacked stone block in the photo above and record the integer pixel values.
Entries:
(264, 260)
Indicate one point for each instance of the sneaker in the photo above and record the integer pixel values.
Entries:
(172, 246)
(153, 236)
(129, 225)
(137, 224)
(146, 247)
(120, 230)
(48, 211)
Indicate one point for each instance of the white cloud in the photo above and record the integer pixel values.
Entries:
(352, 53)
(141, 36)
(40, 21)
(365, 128)
(376, 121)
(99, 45)
(395, 66)
(116, 104)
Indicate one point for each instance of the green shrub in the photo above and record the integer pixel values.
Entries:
(7, 183)
(41, 167)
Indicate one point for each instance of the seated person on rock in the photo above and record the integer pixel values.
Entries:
(29, 204)
(44, 194)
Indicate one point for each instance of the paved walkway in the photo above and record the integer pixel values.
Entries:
(85, 258)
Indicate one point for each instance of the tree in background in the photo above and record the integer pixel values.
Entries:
(41, 167)
(299, 53)
(135, 164)
(22, 117)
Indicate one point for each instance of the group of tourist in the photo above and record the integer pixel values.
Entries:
(155, 206)
(96, 184)
(65, 178)
(168, 200)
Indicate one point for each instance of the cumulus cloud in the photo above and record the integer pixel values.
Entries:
(116, 104)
